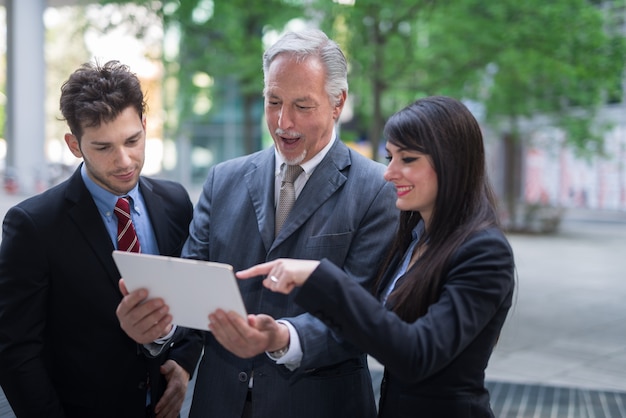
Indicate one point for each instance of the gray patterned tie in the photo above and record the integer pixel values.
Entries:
(287, 195)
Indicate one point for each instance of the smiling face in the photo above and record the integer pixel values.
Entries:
(415, 179)
(113, 152)
(299, 114)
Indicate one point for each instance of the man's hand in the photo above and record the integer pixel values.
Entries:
(249, 338)
(143, 320)
(172, 400)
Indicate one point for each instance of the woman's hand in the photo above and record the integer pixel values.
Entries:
(282, 274)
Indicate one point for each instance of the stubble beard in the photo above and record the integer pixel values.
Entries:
(294, 161)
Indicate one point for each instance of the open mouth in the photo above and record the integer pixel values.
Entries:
(289, 144)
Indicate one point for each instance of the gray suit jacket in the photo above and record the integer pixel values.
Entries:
(345, 213)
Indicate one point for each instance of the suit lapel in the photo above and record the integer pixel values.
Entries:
(323, 183)
(154, 206)
(259, 180)
(84, 213)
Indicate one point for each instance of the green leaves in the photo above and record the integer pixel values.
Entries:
(518, 58)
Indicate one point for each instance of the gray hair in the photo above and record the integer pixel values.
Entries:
(313, 43)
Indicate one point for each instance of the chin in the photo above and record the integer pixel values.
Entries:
(404, 207)
(293, 159)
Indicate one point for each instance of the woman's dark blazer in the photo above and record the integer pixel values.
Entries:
(435, 366)
(62, 351)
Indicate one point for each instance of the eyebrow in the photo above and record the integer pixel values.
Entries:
(399, 149)
(131, 137)
(270, 95)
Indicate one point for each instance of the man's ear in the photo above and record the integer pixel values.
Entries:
(73, 145)
(339, 103)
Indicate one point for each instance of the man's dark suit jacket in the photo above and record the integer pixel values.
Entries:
(62, 351)
(435, 366)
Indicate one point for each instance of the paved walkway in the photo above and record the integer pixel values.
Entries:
(568, 325)
(567, 328)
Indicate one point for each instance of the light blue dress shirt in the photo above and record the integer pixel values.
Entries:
(105, 202)
(406, 259)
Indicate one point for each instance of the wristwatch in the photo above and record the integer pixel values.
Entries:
(279, 353)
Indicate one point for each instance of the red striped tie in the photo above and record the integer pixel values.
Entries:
(126, 236)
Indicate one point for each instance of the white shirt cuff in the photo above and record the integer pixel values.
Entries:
(293, 356)
(156, 347)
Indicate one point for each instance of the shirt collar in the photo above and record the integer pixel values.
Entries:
(418, 230)
(105, 200)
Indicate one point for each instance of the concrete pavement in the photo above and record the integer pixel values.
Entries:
(567, 328)
(568, 325)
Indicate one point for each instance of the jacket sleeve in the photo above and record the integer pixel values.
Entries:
(323, 346)
(23, 295)
(480, 281)
(186, 348)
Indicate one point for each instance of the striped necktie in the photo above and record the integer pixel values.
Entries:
(287, 195)
(126, 237)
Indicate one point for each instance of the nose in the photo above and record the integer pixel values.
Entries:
(123, 157)
(284, 119)
(390, 172)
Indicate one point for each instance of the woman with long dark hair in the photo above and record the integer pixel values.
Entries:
(444, 291)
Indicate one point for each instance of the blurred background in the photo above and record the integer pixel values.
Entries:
(545, 79)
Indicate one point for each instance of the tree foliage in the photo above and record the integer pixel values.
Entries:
(382, 41)
(220, 42)
(228, 46)
(560, 59)
(543, 58)
(518, 58)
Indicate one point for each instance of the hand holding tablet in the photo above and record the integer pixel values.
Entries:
(191, 288)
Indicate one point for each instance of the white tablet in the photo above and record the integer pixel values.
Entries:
(191, 288)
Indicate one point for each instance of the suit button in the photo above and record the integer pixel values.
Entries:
(142, 385)
(243, 376)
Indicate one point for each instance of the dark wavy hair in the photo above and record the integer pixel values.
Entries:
(445, 130)
(96, 93)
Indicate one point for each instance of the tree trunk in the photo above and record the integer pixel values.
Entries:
(512, 178)
(376, 125)
(251, 140)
